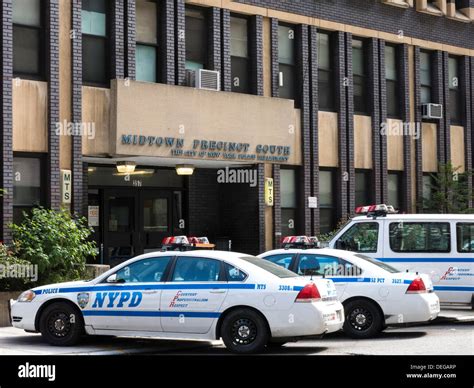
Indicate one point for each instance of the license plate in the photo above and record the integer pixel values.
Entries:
(435, 306)
(329, 317)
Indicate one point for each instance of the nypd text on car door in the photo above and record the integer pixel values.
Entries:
(133, 292)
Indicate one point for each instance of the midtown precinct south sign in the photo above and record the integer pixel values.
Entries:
(212, 149)
(168, 121)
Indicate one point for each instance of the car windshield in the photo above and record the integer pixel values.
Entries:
(379, 264)
(268, 266)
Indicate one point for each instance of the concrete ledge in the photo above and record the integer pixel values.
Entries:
(94, 270)
(4, 299)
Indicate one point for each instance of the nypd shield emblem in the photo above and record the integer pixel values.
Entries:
(82, 299)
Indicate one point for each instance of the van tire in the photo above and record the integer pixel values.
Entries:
(363, 319)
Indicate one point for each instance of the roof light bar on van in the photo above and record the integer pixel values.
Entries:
(380, 210)
(299, 242)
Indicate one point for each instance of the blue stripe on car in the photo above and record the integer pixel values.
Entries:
(121, 313)
(453, 288)
(152, 287)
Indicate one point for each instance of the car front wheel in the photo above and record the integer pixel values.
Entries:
(363, 319)
(61, 324)
(244, 331)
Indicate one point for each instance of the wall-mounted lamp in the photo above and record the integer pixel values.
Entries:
(126, 167)
(184, 169)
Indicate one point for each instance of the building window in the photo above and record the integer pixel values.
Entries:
(461, 10)
(399, 3)
(288, 202)
(147, 41)
(27, 185)
(392, 79)
(425, 77)
(327, 101)
(428, 189)
(454, 91)
(239, 51)
(286, 61)
(363, 188)
(394, 185)
(433, 7)
(95, 45)
(28, 39)
(196, 39)
(327, 201)
(361, 105)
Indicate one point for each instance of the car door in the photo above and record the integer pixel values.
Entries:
(192, 298)
(132, 302)
(331, 267)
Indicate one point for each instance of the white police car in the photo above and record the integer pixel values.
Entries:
(373, 293)
(202, 295)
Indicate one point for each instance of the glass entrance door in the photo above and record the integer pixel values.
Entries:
(136, 221)
(121, 226)
(156, 216)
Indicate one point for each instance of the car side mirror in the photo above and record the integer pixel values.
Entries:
(340, 244)
(113, 279)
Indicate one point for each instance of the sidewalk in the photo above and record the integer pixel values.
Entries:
(16, 342)
(455, 314)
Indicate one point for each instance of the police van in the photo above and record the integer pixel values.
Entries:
(440, 245)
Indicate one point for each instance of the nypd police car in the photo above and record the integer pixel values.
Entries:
(202, 295)
(373, 293)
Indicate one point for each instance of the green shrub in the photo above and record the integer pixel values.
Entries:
(11, 269)
(55, 241)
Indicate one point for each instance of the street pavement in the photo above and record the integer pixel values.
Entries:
(451, 334)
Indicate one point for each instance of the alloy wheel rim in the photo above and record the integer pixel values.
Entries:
(244, 331)
(361, 319)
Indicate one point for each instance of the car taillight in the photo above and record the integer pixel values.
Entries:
(417, 286)
(309, 293)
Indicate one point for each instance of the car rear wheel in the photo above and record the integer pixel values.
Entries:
(244, 331)
(61, 324)
(363, 319)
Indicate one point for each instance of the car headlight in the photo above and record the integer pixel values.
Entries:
(26, 296)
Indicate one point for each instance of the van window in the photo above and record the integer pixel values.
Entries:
(465, 237)
(428, 237)
(361, 237)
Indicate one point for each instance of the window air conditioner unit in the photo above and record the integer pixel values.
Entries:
(432, 111)
(204, 79)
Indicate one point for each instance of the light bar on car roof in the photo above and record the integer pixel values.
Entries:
(377, 210)
(299, 242)
(183, 243)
